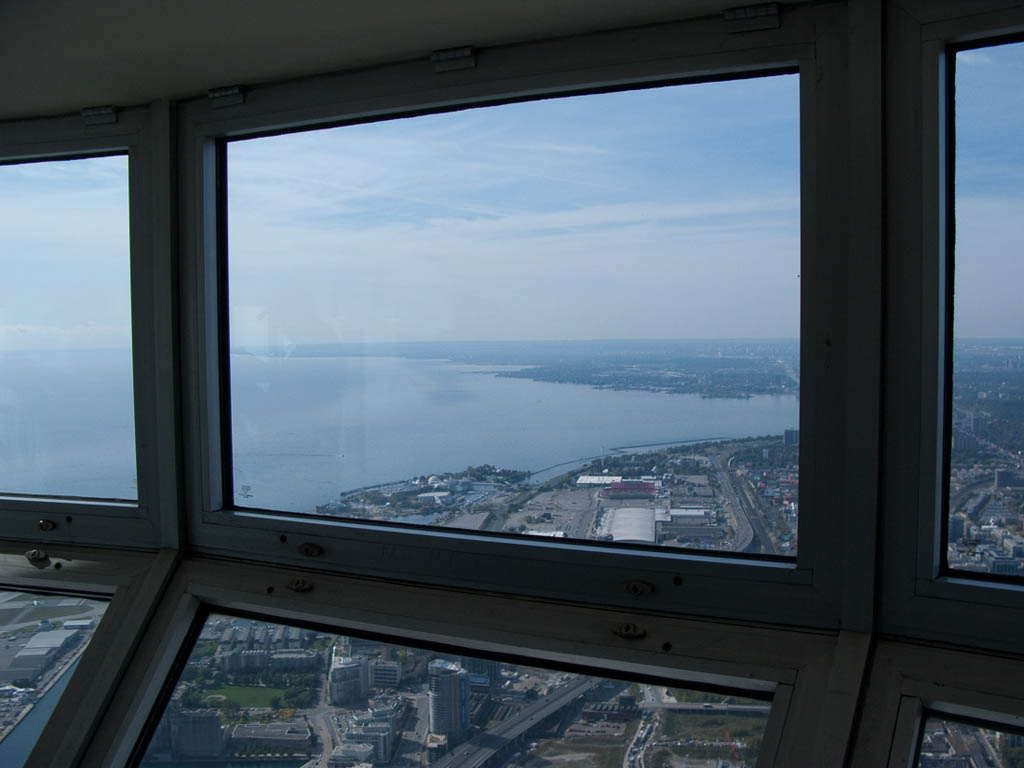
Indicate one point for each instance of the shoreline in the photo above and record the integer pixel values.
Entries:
(58, 673)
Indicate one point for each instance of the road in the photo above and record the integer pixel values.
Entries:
(482, 747)
(750, 508)
(744, 531)
(320, 719)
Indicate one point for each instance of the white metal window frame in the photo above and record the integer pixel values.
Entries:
(133, 583)
(919, 598)
(152, 521)
(909, 683)
(814, 678)
(827, 584)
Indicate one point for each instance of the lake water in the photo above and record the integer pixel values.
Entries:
(307, 428)
(15, 749)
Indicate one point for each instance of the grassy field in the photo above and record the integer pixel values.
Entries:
(246, 696)
(597, 755)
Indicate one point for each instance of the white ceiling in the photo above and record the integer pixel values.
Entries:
(58, 56)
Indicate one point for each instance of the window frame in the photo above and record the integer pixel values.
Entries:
(921, 597)
(814, 675)
(132, 582)
(818, 589)
(152, 519)
(909, 683)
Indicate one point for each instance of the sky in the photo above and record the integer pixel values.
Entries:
(64, 255)
(989, 193)
(669, 212)
(663, 213)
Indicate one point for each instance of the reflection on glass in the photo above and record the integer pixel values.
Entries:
(67, 424)
(41, 639)
(986, 484)
(574, 317)
(294, 697)
(949, 744)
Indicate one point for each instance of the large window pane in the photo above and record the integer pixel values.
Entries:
(574, 317)
(255, 689)
(986, 489)
(41, 640)
(950, 744)
(67, 425)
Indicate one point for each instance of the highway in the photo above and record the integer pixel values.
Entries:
(482, 747)
(744, 531)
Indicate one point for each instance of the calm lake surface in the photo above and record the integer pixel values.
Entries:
(15, 749)
(307, 428)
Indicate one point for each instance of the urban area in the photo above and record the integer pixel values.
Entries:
(41, 638)
(949, 744)
(727, 496)
(986, 479)
(254, 691)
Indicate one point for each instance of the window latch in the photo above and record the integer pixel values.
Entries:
(99, 115)
(751, 18)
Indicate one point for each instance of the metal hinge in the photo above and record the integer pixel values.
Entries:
(99, 115)
(750, 18)
(449, 59)
(226, 96)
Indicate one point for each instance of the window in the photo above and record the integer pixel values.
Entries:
(67, 420)
(41, 640)
(574, 318)
(987, 412)
(948, 743)
(257, 689)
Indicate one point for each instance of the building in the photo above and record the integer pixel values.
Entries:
(351, 754)
(291, 738)
(449, 700)
(349, 680)
(385, 674)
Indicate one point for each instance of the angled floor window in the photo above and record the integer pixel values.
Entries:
(951, 744)
(574, 317)
(41, 640)
(67, 424)
(986, 466)
(300, 697)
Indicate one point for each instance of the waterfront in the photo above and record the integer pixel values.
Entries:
(306, 429)
(16, 747)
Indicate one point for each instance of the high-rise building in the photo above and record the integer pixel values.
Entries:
(385, 674)
(449, 700)
(349, 679)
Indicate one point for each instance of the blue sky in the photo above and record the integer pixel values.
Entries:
(989, 255)
(64, 254)
(668, 212)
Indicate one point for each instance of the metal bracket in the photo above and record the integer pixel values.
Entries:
(639, 588)
(629, 631)
(310, 549)
(226, 96)
(99, 115)
(750, 18)
(449, 59)
(38, 558)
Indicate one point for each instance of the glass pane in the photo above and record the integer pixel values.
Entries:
(986, 490)
(574, 317)
(253, 689)
(949, 744)
(67, 423)
(41, 640)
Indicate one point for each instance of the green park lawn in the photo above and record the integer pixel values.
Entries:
(246, 695)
